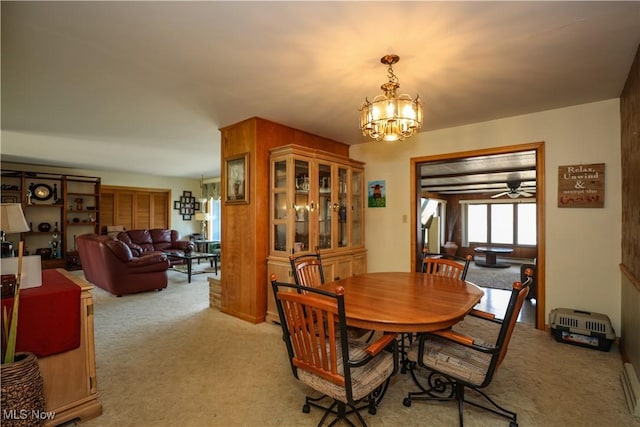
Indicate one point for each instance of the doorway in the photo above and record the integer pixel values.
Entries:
(475, 156)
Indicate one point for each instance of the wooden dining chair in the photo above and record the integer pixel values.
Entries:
(439, 264)
(457, 362)
(351, 375)
(445, 265)
(308, 272)
(307, 269)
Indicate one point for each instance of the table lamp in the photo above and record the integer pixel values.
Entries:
(12, 221)
(202, 216)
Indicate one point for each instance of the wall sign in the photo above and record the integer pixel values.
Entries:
(581, 186)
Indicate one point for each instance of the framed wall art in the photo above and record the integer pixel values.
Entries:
(377, 194)
(237, 175)
(186, 206)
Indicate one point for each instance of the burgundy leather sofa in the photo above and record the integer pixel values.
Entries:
(155, 240)
(109, 264)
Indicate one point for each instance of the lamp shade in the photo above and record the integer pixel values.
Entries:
(201, 216)
(12, 219)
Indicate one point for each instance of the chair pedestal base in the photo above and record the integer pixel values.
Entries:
(442, 388)
(342, 410)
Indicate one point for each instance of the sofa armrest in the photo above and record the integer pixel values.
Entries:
(183, 245)
(148, 263)
(136, 250)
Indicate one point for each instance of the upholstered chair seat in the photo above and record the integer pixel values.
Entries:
(454, 359)
(363, 378)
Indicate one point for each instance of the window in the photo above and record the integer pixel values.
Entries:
(527, 224)
(214, 219)
(501, 223)
(477, 223)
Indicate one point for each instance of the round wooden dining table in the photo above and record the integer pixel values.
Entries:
(406, 301)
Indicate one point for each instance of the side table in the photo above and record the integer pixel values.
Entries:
(491, 256)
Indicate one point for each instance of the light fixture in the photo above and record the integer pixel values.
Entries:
(202, 216)
(12, 221)
(391, 117)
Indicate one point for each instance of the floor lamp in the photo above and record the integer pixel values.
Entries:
(202, 216)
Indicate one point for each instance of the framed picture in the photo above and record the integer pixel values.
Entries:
(377, 194)
(186, 205)
(236, 171)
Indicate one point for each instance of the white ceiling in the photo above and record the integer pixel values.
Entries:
(145, 86)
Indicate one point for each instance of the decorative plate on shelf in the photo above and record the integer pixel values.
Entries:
(44, 227)
(41, 192)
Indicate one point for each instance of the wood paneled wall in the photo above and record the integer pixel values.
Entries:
(630, 266)
(135, 208)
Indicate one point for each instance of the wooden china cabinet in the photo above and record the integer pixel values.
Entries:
(316, 203)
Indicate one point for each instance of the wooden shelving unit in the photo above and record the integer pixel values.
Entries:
(57, 208)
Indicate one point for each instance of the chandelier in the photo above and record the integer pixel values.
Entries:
(391, 117)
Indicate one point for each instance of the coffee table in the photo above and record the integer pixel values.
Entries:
(189, 257)
(203, 245)
(491, 254)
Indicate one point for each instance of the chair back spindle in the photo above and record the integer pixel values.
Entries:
(307, 269)
(445, 265)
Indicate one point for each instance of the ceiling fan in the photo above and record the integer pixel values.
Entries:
(515, 190)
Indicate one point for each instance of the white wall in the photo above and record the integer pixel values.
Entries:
(582, 245)
(176, 185)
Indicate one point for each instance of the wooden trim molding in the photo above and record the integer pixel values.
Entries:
(629, 275)
(540, 200)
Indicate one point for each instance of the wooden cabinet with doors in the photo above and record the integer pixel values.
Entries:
(70, 384)
(316, 203)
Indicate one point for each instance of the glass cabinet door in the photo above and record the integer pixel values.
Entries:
(301, 206)
(279, 205)
(325, 207)
(343, 203)
(356, 208)
(316, 203)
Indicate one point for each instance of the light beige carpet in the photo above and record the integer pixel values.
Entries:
(167, 359)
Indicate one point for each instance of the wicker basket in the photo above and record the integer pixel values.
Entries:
(23, 402)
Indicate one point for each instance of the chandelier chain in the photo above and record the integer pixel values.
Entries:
(391, 75)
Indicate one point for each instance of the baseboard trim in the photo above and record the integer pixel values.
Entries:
(631, 387)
